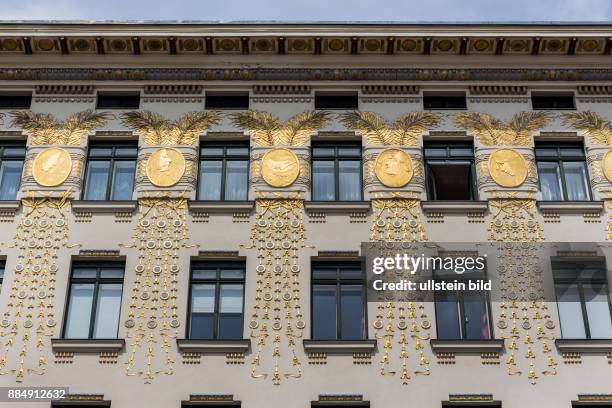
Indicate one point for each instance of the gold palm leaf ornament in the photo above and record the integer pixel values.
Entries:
(593, 125)
(494, 132)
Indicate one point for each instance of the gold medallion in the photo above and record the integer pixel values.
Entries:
(280, 167)
(393, 167)
(165, 167)
(606, 165)
(507, 167)
(51, 167)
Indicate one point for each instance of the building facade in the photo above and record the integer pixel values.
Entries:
(183, 207)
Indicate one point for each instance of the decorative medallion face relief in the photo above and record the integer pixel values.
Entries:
(280, 167)
(393, 168)
(165, 167)
(508, 168)
(51, 167)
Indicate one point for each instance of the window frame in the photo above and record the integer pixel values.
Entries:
(222, 94)
(571, 95)
(111, 159)
(22, 95)
(559, 159)
(118, 93)
(2, 272)
(451, 94)
(338, 282)
(336, 158)
(217, 281)
(339, 94)
(97, 281)
(13, 144)
(473, 185)
(224, 159)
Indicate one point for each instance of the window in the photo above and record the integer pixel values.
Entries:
(118, 100)
(1, 273)
(227, 100)
(552, 101)
(462, 315)
(343, 100)
(562, 171)
(15, 101)
(450, 170)
(94, 301)
(451, 101)
(582, 299)
(216, 302)
(110, 171)
(224, 171)
(336, 172)
(12, 156)
(338, 301)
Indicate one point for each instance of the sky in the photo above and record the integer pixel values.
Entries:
(300, 10)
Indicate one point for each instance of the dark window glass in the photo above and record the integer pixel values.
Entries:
(450, 171)
(444, 102)
(118, 100)
(336, 172)
(325, 100)
(12, 156)
(554, 102)
(582, 299)
(15, 101)
(338, 301)
(216, 300)
(562, 172)
(238, 100)
(110, 171)
(1, 273)
(224, 172)
(94, 301)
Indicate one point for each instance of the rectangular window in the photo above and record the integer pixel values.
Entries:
(118, 100)
(2, 263)
(12, 156)
(110, 171)
(443, 101)
(336, 172)
(224, 171)
(227, 100)
(216, 302)
(338, 301)
(583, 299)
(562, 101)
(339, 100)
(15, 100)
(462, 315)
(94, 301)
(562, 172)
(450, 170)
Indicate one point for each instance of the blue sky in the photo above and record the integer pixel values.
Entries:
(338, 10)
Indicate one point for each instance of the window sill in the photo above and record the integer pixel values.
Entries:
(9, 205)
(103, 206)
(584, 345)
(467, 346)
(213, 346)
(454, 206)
(571, 207)
(221, 207)
(77, 401)
(87, 345)
(341, 207)
(339, 346)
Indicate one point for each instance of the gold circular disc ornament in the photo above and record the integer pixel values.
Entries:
(165, 167)
(52, 167)
(507, 167)
(393, 167)
(606, 165)
(280, 167)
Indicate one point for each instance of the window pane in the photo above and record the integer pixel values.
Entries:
(78, 317)
(572, 152)
(325, 273)
(546, 152)
(350, 180)
(237, 151)
(598, 310)
(126, 151)
(100, 151)
(476, 318)
(323, 180)
(204, 274)
(576, 180)
(202, 312)
(461, 152)
(324, 312)
(447, 316)
(352, 312)
(232, 274)
(210, 180)
(96, 182)
(111, 273)
(14, 151)
(352, 273)
(84, 273)
(236, 180)
(123, 180)
(570, 311)
(435, 151)
(10, 177)
(322, 151)
(211, 151)
(349, 151)
(201, 326)
(107, 311)
(550, 181)
(231, 299)
(230, 327)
